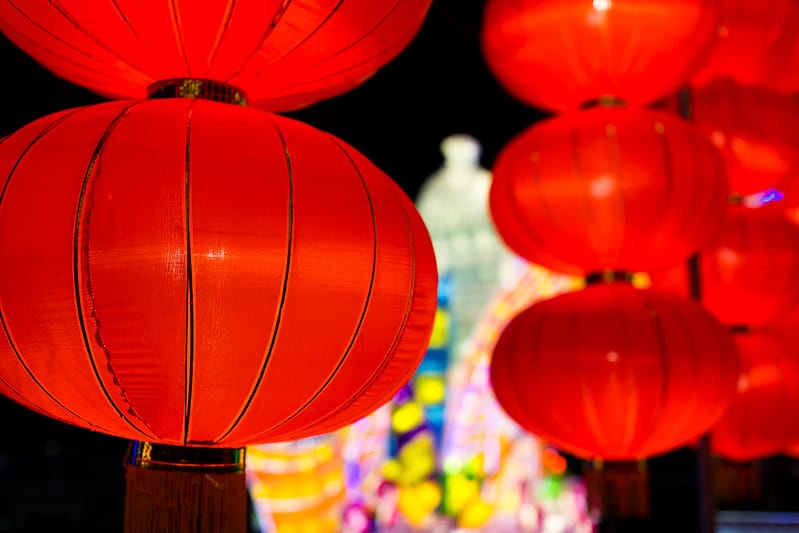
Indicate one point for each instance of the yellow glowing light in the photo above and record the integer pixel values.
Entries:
(441, 325)
(429, 390)
(475, 515)
(407, 417)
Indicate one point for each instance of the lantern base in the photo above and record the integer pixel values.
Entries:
(619, 490)
(171, 488)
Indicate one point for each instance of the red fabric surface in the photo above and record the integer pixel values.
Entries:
(192, 272)
(756, 44)
(559, 54)
(748, 274)
(760, 421)
(615, 372)
(755, 129)
(608, 188)
(284, 54)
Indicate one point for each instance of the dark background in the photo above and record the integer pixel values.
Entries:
(58, 478)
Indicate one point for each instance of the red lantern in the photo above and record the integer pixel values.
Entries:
(754, 41)
(283, 54)
(560, 54)
(608, 189)
(748, 274)
(755, 425)
(755, 129)
(615, 372)
(196, 273)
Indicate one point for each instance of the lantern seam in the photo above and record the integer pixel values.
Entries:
(190, 323)
(367, 301)
(71, 19)
(90, 171)
(267, 33)
(11, 342)
(283, 290)
(125, 20)
(178, 34)
(48, 32)
(394, 345)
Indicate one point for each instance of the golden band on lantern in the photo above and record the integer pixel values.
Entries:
(198, 88)
(163, 457)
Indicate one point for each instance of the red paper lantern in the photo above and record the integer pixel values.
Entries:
(608, 188)
(754, 41)
(755, 425)
(755, 129)
(615, 372)
(748, 274)
(559, 54)
(196, 273)
(283, 54)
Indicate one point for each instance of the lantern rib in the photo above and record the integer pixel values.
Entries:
(76, 269)
(220, 36)
(48, 32)
(592, 419)
(267, 33)
(663, 359)
(352, 44)
(178, 31)
(125, 20)
(367, 300)
(189, 383)
(92, 37)
(3, 323)
(390, 352)
(283, 290)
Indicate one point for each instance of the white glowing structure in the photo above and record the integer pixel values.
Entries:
(454, 205)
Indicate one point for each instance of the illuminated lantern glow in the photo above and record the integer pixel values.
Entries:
(195, 273)
(748, 273)
(755, 129)
(608, 189)
(615, 372)
(560, 54)
(755, 41)
(755, 425)
(283, 54)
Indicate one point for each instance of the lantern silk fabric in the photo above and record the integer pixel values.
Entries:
(755, 425)
(756, 130)
(756, 44)
(561, 54)
(283, 54)
(608, 188)
(748, 274)
(195, 273)
(615, 372)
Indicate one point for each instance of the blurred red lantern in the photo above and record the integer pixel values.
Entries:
(748, 274)
(755, 129)
(608, 189)
(283, 54)
(560, 54)
(754, 41)
(755, 425)
(615, 372)
(196, 273)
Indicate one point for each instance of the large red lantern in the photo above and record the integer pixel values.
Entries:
(755, 41)
(608, 189)
(560, 54)
(755, 425)
(195, 273)
(755, 129)
(283, 54)
(748, 274)
(615, 372)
